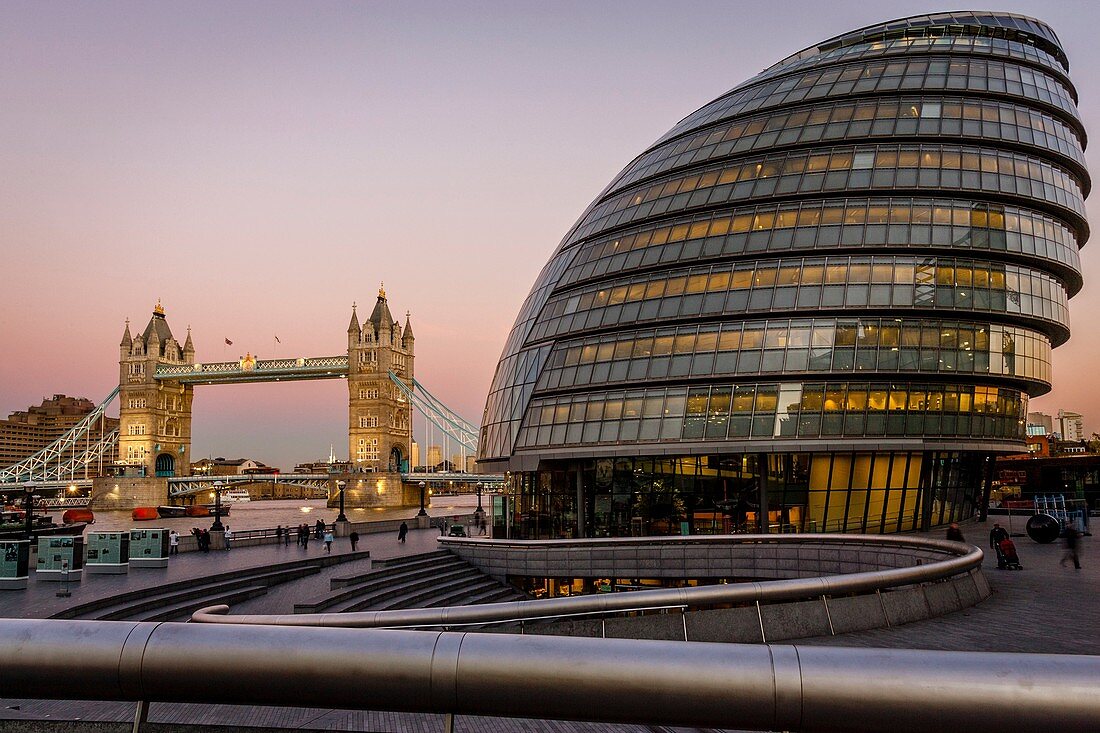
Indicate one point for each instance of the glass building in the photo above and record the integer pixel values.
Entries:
(818, 303)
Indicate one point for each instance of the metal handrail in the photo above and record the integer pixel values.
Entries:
(959, 559)
(742, 686)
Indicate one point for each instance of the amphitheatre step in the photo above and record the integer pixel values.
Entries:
(363, 596)
(183, 611)
(90, 609)
(378, 580)
(453, 594)
(446, 590)
(202, 595)
(401, 563)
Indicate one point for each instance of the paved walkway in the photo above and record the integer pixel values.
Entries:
(39, 599)
(1044, 608)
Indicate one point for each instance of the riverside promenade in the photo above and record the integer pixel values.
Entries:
(1044, 608)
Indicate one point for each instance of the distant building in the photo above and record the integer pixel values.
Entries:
(1040, 418)
(414, 454)
(26, 432)
(332, 466)
(1071, 425)
(435, 455)
(229, 467)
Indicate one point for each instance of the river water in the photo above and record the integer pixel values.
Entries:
(264, 514)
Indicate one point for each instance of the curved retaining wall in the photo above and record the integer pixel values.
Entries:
(816, 585)
(851, 591)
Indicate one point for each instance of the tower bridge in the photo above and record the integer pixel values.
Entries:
(157, 379)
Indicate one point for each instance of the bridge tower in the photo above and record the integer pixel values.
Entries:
(379, 416)
(154, 416)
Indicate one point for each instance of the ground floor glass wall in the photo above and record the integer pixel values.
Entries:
(860, 492)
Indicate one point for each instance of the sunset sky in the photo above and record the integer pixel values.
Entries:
(260, 166)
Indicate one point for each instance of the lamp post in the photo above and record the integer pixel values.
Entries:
(217, 526)
(479, 497)
(28, 510)
(422, 512)
(341, 517)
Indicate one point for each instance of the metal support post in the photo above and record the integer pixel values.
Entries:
(141, 716)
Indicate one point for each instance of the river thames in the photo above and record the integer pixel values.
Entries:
(269, 513)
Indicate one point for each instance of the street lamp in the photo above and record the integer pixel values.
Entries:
(28, 510)
(479, 497)
(217, 526)
(422, 512)
(341, 517)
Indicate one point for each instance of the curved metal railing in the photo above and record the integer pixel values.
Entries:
(958, 559)
(741, 686)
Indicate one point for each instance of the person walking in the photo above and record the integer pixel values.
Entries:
(305, 537)
(354, 537)
(954, 534)
(319, 529)
(228, 537)
(278, 534)
(1073, 541)
(328, 541)
(402, 532)
(997, 535)
(286, 537)
(173, 542)
(204, 540)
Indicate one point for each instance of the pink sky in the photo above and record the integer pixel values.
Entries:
(259, 166)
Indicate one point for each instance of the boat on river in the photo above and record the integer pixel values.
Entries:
(14, 527)
(170, 512)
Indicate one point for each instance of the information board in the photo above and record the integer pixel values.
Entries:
(14, 562)
(149, 548)
(60, 555)
(108, 552)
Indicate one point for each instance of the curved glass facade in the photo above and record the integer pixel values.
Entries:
(819, 302)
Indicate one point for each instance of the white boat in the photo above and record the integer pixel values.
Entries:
(236, 496)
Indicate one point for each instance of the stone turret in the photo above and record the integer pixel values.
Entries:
(379, 417)
(407, 337)
(154, 415)
(354, 331)
(127, 343)
(189, 349)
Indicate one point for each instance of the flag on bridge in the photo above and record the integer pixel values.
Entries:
(228, 342)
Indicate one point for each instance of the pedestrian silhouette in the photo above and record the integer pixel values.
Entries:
(402, 532)
(1073, 540)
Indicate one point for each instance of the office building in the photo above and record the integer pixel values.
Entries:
(818, 303)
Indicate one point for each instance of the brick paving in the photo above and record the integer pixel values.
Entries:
(1044, 608)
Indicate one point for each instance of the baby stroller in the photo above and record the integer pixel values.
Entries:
(1008, 553)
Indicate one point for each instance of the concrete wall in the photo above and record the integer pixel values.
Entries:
(370, 490)
(122, 493)
(729, 557)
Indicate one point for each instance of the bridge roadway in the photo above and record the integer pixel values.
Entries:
(1042, 609)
